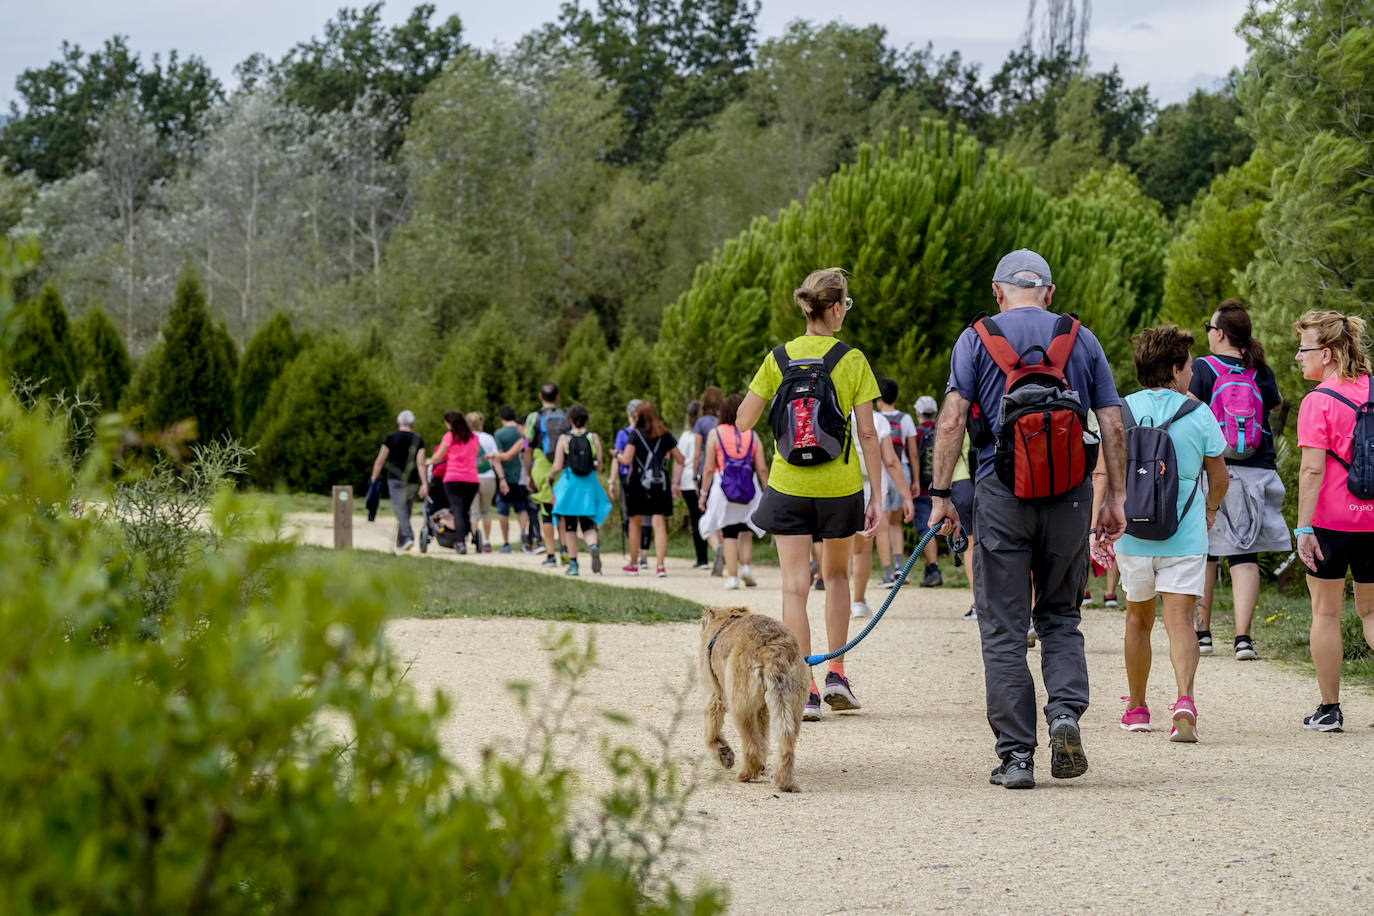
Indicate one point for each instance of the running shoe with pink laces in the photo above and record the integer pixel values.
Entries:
(1185, 721)
(1136, 720)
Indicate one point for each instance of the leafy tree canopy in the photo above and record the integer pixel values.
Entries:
(1189, 144)
(52, 127)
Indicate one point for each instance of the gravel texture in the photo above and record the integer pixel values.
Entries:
(896, 813)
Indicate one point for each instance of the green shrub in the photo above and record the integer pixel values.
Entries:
(42, 350)
(195, 377)
(323, 421)
(266, 356)
(262, 752)
(102, 360)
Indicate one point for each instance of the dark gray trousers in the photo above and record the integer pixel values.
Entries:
(1023, 545)
(402, 496)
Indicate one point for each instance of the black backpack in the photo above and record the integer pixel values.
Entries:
(581, 457)
(1152, 476)
(651, 475)
(1359, 471)
(925, 455)
(808, 425)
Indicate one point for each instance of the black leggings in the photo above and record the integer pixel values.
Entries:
(460, 498)
(1236, 559)
(693, 518)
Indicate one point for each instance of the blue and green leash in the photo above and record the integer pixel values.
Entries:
(956, 545)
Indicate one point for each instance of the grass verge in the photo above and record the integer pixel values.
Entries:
(439, 588)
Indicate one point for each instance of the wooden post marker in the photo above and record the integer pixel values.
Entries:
(343, 517)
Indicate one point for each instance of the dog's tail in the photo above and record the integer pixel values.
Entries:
(781, 687)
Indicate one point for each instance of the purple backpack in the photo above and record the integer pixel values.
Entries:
(737, 471)
(1238, 407)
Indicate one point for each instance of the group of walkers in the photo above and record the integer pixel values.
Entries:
(1034, 455)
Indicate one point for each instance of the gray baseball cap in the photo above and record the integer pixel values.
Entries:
(1022, 259)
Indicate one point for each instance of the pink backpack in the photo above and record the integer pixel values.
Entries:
(1238, 407)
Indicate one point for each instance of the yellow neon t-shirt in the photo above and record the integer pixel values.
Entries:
(854, 384)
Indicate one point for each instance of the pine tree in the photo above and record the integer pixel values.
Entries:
(101, 357)
(484, 368)
(196, 378)
(920, 221)
(264, 359)
(322, 421)
(42, 350)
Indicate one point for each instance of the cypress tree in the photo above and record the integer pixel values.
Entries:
(101, 357)
(195, 380)
(322, 421)
(266, 356)
(42, 352)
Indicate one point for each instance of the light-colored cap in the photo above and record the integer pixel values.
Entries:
(925, 406)
(1020, 261)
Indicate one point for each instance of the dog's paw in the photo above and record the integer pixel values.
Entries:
(749, 775)
(790, 787)
(727, 756)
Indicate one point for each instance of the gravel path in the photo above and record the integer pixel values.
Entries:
(896, 813)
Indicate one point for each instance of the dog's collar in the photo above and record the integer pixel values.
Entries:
(712, 644)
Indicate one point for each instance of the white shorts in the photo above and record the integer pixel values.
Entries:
(1144, 577)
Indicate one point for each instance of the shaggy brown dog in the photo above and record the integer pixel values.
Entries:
(752, 666)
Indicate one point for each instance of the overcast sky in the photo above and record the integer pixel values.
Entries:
(1173, 45)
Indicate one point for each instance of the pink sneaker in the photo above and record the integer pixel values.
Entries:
(1136, 720)
(1185, 721)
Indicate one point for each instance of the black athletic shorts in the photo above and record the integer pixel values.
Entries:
(823, 517)
(734, 531)
(571, 522)
(1235, 559)
(1353, 550)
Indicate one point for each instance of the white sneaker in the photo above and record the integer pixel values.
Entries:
(746, 576)
(860, 610)
(731, 583)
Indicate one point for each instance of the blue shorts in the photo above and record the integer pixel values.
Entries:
(518, 499)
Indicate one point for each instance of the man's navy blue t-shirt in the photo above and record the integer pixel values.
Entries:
(976, 377)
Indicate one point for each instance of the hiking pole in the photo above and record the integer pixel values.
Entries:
(956, 546)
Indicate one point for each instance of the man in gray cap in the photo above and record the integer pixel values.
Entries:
(1032, 555)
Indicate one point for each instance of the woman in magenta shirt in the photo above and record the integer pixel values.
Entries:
(1335, 528)
(457, 458)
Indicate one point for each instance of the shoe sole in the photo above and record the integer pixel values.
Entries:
(1019, 783)
(596, 563)
(1031, 639)
(748, 581)
(1204, 650)
(811, 714)
(840, 701)
(718, 566)
(1067, 759)
(1135, 728)
(1246, 655)
(1322, 728)
(1184, 731)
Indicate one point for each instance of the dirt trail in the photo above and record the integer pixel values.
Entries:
(896, 813)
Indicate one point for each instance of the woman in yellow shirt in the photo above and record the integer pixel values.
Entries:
(820, 500)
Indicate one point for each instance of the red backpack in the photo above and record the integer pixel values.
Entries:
(1043, 448)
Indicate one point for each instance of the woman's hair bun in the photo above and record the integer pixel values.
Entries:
(804, 296)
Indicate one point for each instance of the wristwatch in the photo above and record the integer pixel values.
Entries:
(943, 493)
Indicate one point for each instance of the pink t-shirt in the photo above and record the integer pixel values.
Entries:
(460, 461)
(1326, 423)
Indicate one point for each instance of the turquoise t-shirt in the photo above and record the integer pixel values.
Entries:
(1195, 436)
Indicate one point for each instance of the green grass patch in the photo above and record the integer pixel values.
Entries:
(435, 587)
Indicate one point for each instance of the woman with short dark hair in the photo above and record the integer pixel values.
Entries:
(457, 452)
(1174, 567)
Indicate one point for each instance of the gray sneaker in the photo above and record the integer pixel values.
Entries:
(1016, 772)
(1067, 759)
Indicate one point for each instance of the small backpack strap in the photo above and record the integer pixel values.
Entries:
(781, 358)
(1187, 407)
(1342, 398)
(997, 345)
(1065, 336)
(834, 355)
(1127, 418)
